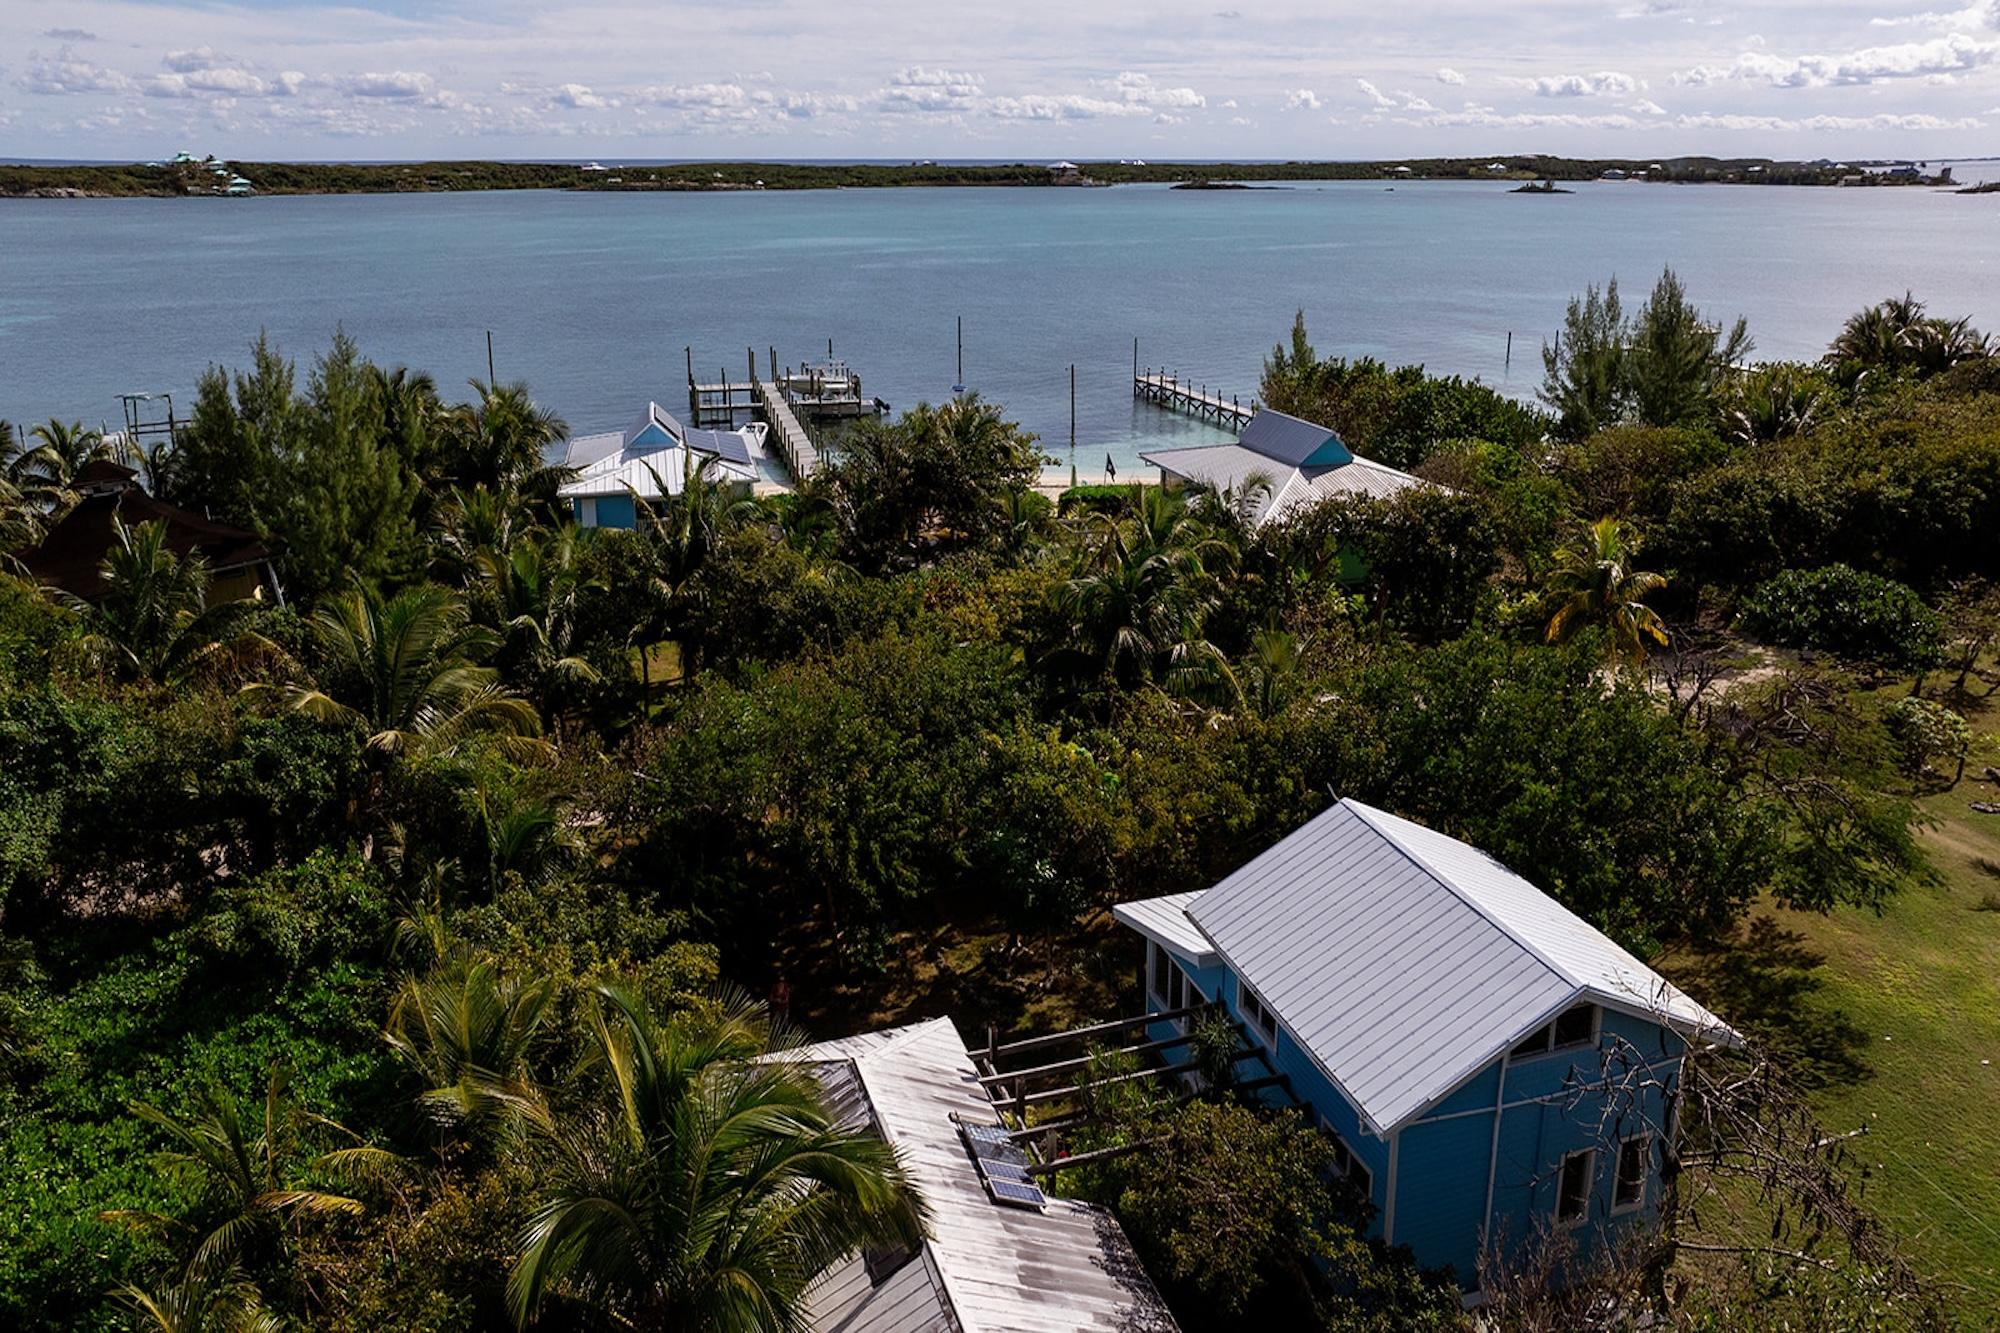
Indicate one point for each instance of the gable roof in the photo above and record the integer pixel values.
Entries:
(71, 554)
(1229, 467)
(986, 1268)
(1405, 961)
(1293, 441)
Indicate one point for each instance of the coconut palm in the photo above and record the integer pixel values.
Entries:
(151, 617)
(62, 449)
(1271, 673)
(467, 1031)
(1593, 585)
(525, 838)
(678, 532)
(223, 1301)
(244, 1165)
(473, 524)
(500, 441)
(406, 671)
(707, 1187)
(532, 594)
(32, 486)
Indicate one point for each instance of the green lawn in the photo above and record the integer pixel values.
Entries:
(1920, 986)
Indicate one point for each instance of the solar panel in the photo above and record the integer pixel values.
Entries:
(1006, 1171)
(991, 1143)
(1020, 1196)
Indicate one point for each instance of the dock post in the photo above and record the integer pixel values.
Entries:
(750, 355)
(1135, 358)
(1072, 407)
(489, 358)
(1510, 349)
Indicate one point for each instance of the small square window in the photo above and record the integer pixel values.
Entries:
(1573, 1189)
(1577, 1026)
(1635, 1160)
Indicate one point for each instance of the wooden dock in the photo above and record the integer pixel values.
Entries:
(1171, 391)
(793, 443)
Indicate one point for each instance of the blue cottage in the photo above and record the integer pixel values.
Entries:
(1496, 1072)
(1301, 461)
(650, 459)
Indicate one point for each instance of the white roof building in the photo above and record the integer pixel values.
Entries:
(1303, 464)
(985, 1267)
(618, 463)
(1404, 962)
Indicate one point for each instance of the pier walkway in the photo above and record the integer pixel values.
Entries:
(1170, 391)
(794, 444)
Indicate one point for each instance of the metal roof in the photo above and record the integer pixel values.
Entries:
(985, 1268)
(1166, 920)
(1293, 441)
(1404, 961)
(1230, 467)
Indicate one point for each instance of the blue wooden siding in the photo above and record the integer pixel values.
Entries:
(1445, 1157)
(614, 511)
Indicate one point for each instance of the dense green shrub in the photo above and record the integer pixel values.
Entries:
(1928, 732)
(1851, 614)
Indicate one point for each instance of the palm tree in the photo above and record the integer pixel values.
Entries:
(677, 535)
(406, 671)
(221, 1301)
(32, 484)
(533, 592)
(499, 441)
(1146, 586)
(1272, 672)
(472, 525)
(467, 1032)
(64, 448)
(1594, 585)
(151, 616)
(525, 838)
(243, 1167)
(707, 1188)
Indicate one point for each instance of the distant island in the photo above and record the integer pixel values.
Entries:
(1541, 187)
(189, 176)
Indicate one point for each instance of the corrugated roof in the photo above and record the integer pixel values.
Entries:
(996, 1269)
(1166, 920)
(1232, 467)
(1293, 441)
(1405, 961)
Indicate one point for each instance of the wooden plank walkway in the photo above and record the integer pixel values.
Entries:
(797, 448)
(1170, 391)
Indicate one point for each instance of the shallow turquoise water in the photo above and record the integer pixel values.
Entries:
(592, 297)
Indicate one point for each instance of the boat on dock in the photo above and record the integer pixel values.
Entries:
(827, 390)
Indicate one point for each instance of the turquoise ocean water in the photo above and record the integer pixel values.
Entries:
(592, 297)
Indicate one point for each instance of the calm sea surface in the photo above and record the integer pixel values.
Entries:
(592, 297)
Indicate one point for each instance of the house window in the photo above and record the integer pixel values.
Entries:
(1345, 1164)
(1635, 1160)
(1575, 1026)
(1257, 1013)
(1156, 969)
(1573, 1189)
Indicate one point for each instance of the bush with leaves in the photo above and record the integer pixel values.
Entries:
(1851, 614)
(1928, 733)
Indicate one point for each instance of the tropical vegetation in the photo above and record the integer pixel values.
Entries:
(378, 959)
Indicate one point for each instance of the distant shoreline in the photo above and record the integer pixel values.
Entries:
(207, 178)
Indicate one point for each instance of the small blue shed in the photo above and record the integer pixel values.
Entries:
(1494, 1070)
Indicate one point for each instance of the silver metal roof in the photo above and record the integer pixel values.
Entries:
(1231, 467)
(1166, 920)
(1404, 961)
(1293, 441)
(990, 1269)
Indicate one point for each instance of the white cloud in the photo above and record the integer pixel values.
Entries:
(579, 97)
(1446, 74)
(63, 73)
(920, 89)
(197, 58)
(1806, 124)
(1604, 83)
(698, 96)
(1970, 19)
(1061, 106)
(395, 85)
(1647, 107)
(1942, 55)
(1374, 94)
(1302, 99)
(1141, 90)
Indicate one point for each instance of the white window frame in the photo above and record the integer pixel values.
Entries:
(1638, 1201)
(1158, 960)
(1589, 1186)
(1346, 1163)
(1515, 1055)
(1261, 1017)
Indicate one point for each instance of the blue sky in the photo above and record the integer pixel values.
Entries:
(1023, 78)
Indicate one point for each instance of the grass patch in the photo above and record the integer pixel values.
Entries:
(1921, 985)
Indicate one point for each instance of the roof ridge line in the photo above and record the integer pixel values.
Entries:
(1362, 812)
